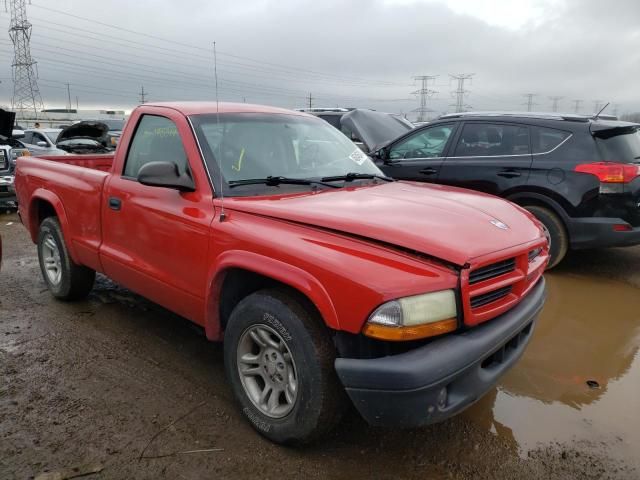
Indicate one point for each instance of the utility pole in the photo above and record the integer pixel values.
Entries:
(424, 93)
(77, 104)
(576, 104)
(68, 97)
(530, 103)
(554, 105)
(597, 106)
(143, 95)
(310, 99)
(460, 92)
(26, 94)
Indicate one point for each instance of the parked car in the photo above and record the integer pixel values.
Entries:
(376, 124)
(42, 141)
(85, 137)
(578, 175)
(10, 150)
(114, 126)
(326, 279)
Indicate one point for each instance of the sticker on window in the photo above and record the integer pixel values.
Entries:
(358, 157)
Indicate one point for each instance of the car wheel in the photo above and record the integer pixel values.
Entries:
(555, 232)
(66, 280)
(279, 360)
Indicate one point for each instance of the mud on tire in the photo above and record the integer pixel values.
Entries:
(288, 330)
(71, 281)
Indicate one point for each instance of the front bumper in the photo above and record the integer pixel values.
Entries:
(442, 378)
(598, 232)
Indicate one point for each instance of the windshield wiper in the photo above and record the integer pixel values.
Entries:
(351, 176)
(275, 181)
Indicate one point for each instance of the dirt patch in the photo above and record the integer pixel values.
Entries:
(99, 381)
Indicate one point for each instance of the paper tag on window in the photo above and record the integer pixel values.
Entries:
(358, 157)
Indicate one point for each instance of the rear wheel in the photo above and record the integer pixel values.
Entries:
(66, 280)
(554, 230)
(279, 361)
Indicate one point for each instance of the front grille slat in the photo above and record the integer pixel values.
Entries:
(487, 298)
(492, 271)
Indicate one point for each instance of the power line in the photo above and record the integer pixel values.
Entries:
(555, 100)
(460, 92)
(530, 103)
(196, 47)
(26, 95)
(424, 93)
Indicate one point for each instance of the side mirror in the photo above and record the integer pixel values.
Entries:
(41, 144)
(165, 174)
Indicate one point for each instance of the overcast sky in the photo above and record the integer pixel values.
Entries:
(348, 53)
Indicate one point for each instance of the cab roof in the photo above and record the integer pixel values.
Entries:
(203, 108)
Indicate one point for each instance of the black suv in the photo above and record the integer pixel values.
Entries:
(580, 176)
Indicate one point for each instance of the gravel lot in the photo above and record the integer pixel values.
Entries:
(97, 384)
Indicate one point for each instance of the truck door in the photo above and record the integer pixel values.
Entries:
(489, 157)
(155, 239)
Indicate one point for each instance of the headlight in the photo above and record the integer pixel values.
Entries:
(411, 318)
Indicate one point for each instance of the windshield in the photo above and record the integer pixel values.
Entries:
(248, 146)
(53, 136)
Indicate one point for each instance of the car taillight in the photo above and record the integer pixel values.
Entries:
(610, 172)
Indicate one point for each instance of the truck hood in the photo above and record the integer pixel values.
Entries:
(452, 224)
(375, 129)
(7, 121)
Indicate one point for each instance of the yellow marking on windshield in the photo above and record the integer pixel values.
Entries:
(239, 166)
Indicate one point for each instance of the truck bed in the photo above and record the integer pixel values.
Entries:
(95, 162)
(73, 185)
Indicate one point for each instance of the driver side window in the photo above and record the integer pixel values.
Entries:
(427, 143)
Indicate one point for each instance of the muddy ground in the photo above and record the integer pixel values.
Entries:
(97, 384)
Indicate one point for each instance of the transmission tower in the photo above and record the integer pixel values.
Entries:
(424, 93)
(460, 92)
(143, 95)
(597, 106)
(554, 104)
(530, 103)
(26, 95)
(576, 104)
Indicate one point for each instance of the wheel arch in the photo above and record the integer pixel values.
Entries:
(43, 204)
(237, 274)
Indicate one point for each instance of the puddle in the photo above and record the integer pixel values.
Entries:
(589, 331)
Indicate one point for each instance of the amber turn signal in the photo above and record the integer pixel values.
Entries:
(413, 332)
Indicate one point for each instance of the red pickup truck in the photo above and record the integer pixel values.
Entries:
(271, 230)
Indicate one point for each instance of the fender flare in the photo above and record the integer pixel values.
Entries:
(56, 203)
(285, 273)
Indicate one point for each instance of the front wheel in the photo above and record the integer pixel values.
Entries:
(555, 232)
(66, 280)
(279, 361)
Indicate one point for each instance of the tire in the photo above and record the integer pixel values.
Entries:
(70, 281)
(319, 400)
(558, 238)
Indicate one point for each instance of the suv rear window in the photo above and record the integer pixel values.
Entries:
(624, 147)
(546, 139)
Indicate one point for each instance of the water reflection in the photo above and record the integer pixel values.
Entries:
(588, 330)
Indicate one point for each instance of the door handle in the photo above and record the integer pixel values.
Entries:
(429, 171)
(115, 203)
(509, 173)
